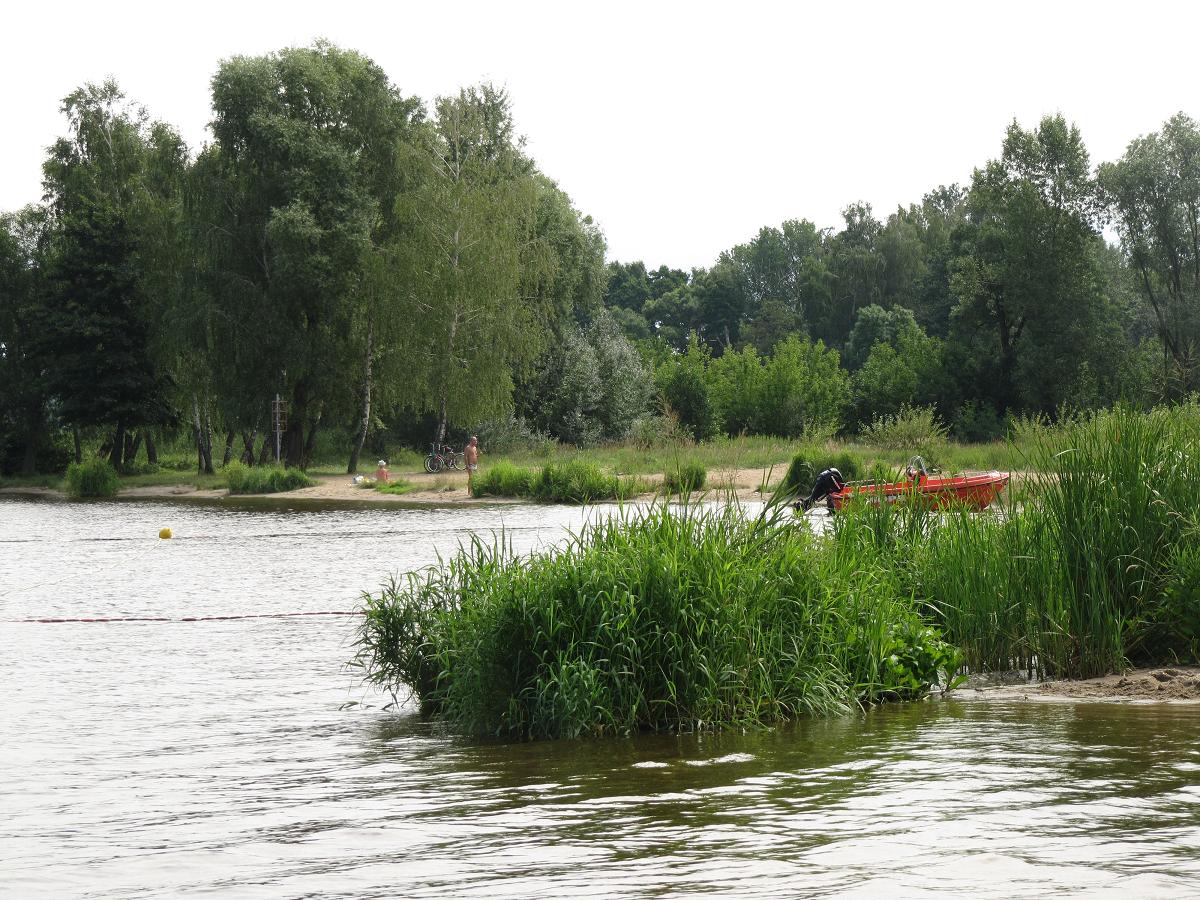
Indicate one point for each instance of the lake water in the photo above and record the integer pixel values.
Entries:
(240, 757)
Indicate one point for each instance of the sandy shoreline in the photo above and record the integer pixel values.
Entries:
(1154, 684)
(442, 489)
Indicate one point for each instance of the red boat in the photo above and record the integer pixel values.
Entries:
(972, 491)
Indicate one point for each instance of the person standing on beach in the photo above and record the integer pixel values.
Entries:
(471, 457)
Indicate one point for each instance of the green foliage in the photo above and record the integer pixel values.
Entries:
(92, 478)
(683, 383)
(264, 479)
(396, 486)
(685, 478)
(574, 481)
(658, 432)
(915, 430)
(503, 479)
(666, 620)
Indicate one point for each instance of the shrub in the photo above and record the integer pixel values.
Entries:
(685, 478)
(657, 432)
(914, 429)
(513, 434)
(243, 479)
(92, 478)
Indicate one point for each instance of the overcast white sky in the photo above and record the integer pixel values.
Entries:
(682, 128)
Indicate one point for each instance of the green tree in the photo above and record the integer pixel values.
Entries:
(805, 390)
(1027, 277)
(1154, 192)
(305, 166)
(683, 384)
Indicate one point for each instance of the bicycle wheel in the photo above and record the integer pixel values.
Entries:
(454, 461)
(433, 463)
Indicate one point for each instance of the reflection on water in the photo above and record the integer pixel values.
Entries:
(160, 759)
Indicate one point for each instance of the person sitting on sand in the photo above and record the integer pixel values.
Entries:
(381, 473)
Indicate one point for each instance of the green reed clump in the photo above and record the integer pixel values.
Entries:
(244, 479)
(92, 478)
(1095, 572)
(666, 620)
(685, 478)
(503, 480)
(575, 481)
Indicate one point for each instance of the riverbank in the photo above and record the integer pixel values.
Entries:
(1154, 684)
(442, 489)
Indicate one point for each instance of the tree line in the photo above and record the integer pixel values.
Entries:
(1005, 297)
(395, 271)
(337, 244)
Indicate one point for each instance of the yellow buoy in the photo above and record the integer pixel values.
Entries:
(165, 534)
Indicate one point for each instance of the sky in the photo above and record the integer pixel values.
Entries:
(681, 128)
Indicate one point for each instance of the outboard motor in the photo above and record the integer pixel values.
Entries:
(828, 482)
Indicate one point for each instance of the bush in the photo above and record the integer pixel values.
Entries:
(513, 435)
(657, 432)
(685, 478)
(243, 479)
(92, 478)
(914, 430)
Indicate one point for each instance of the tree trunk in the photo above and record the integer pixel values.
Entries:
(133, 443)
(203, 440)
(208, 440)
(151, 450)
(115, 455)
(228, 448)
(249, 439)
(78, 444)
(293, 438)
(366, 416)
(310, 442)
(266, 454)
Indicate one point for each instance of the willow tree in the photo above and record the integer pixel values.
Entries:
(470, 242)
(306, 144)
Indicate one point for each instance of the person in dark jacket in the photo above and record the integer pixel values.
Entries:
(828, 482)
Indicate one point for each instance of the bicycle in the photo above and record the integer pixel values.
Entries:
(443, 457)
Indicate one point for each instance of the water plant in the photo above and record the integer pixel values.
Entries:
(264, 479)
(574, 481)
(92, 478)
(657, 620)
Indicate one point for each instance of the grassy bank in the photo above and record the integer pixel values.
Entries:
(574, 481)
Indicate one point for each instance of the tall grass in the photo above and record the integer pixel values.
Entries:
(92, 478)
(808, 462)
(264, 479)
(574, 481)
(669, 620)
(1095, 572)
(686, 478)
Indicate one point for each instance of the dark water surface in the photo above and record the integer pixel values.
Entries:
(176, 758)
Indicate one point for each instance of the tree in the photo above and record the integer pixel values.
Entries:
(305, 166)
(1154, 191)
(805, 390)
(90, 326)
(683, 383)
(475, 258)
(1027, 274)
(24, 425)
